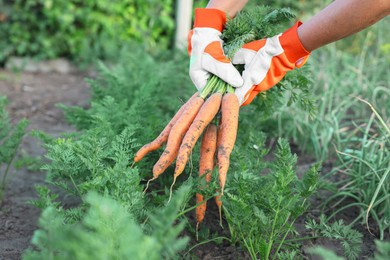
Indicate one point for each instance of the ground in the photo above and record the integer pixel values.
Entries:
(34, 96)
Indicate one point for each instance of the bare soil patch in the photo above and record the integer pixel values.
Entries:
(33, 96)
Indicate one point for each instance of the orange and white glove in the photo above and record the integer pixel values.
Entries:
(205, 49)
(267, 61)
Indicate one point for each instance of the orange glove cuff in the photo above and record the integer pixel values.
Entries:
(292, 46)
(210, 18)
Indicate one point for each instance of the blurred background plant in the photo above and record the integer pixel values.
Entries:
(82, 30)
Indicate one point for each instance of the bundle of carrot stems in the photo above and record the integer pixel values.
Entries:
(199, 113)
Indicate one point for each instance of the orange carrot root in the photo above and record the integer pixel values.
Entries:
(163, 136)
(229, 124)
(219, 205)
(201, 209)
(206, 166)
(206, 114)
(176, 136)
(227, 133)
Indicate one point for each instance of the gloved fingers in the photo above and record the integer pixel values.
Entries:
(248, 52)
(215, 62)
(243, 56)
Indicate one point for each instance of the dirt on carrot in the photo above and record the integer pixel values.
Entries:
(228, 128)
(206, 165)
(176, 136)
(206, 114)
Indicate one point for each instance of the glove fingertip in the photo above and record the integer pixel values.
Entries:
(237, 82)
(235, 78)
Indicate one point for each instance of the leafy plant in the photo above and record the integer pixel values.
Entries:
(261, 209)
(382, 252)
(99, 161)
(83, 30)
(324, 253)
(107, 230)
(10, 139)
(365, 161)
(350, 239)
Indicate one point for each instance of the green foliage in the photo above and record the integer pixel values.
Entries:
(261, 209)
(365, 161)
(97, 161)
(139, 85)
(108, 231)
(10, 139)
(254, 24)
(382, 250)
(350, 239)
(83, 30)
(324, 253)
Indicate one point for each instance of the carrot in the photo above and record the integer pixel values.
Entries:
(163, 137)
(208, 148)
(200, 210)
(206, 114)
(176, 136)
(218, 198)
(229, 124)
(206, 165)
(227, 133)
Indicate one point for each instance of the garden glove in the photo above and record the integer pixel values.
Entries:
(205, 49)
(267, 61)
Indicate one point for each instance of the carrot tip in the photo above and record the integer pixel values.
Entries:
(147, 184)
(197, 229)
(132, 165)
(171, 188)
(220, 215)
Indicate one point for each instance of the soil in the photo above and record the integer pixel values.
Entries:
(34, 96)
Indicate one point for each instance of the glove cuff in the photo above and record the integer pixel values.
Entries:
(210, 18)
(292, 45)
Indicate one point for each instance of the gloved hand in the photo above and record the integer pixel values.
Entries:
(267, 61)
(205, 49)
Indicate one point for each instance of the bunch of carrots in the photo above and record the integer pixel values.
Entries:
(196, 116)
(199, 113)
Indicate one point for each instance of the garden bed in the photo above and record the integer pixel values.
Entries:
(34, 96)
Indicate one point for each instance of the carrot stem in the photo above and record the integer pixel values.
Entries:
(229, 89)
(211, 83)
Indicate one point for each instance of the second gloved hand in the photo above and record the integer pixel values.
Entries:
(205, 49)
(267, 61)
